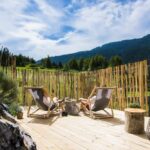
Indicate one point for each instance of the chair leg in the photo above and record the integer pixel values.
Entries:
(107, 112)
(61, 107)
(32, 113)
(110, 115)
(28, 112)
(48, 112)
(92, 115)
(35, 111)
(47, 115)
(87, 111)
(101, 116)
(112, 112)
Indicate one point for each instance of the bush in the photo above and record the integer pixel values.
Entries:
(41, 67)
(14, 108)
(33, 66)
(8, 89)
(134, 105)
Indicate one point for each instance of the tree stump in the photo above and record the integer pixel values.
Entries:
(148, 130)
(71, 107)
(134, 120)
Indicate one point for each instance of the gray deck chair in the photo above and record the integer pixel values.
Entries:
(103, 96)
(38, 94)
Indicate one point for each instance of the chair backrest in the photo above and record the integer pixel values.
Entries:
(103, 96)
(38, 95)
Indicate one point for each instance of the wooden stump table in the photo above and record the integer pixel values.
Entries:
(134, 120)
(71, 107)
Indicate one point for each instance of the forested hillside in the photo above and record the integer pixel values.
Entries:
(129, 50)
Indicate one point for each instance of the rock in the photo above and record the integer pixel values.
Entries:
(13, 138)
(5, 114)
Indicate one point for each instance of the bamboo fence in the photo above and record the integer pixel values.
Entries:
(131, 81)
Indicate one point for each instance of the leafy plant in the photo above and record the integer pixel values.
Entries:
(8, 89)
(134, 105)
(14, 108)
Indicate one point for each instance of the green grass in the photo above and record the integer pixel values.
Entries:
(137, 94)
(38, 68)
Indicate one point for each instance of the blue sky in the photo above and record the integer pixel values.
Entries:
(38, 28)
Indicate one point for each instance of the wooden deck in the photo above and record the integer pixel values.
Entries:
(83, 133)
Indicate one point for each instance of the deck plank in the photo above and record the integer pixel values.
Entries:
(83, 133)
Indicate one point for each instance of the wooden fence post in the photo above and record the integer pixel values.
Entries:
(14, 67)
(146, 84)
(141, 85)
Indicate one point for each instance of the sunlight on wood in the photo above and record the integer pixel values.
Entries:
(82, 133)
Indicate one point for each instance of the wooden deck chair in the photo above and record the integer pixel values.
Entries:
(103, 96)
(42, 100)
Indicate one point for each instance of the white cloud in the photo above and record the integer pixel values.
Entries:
(94, 23)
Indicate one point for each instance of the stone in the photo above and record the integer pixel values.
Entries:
(5, 113)
(13, 138)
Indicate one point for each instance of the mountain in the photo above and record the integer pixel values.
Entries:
(130, 51)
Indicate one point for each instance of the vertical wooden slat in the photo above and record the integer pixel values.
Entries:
(141, 85)
(146, 88)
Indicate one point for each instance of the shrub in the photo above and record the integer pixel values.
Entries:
(14, 108)
(134, 105)
(8, 89)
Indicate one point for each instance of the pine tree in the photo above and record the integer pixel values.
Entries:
(73, 64)
(60, 65)
(92, 64)
(115, 61)
(80, 64)
(66, 67)
(86, 64)
(48, 62)
(100, 62)
(54, 65)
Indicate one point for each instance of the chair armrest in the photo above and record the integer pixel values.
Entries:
(61, 100)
